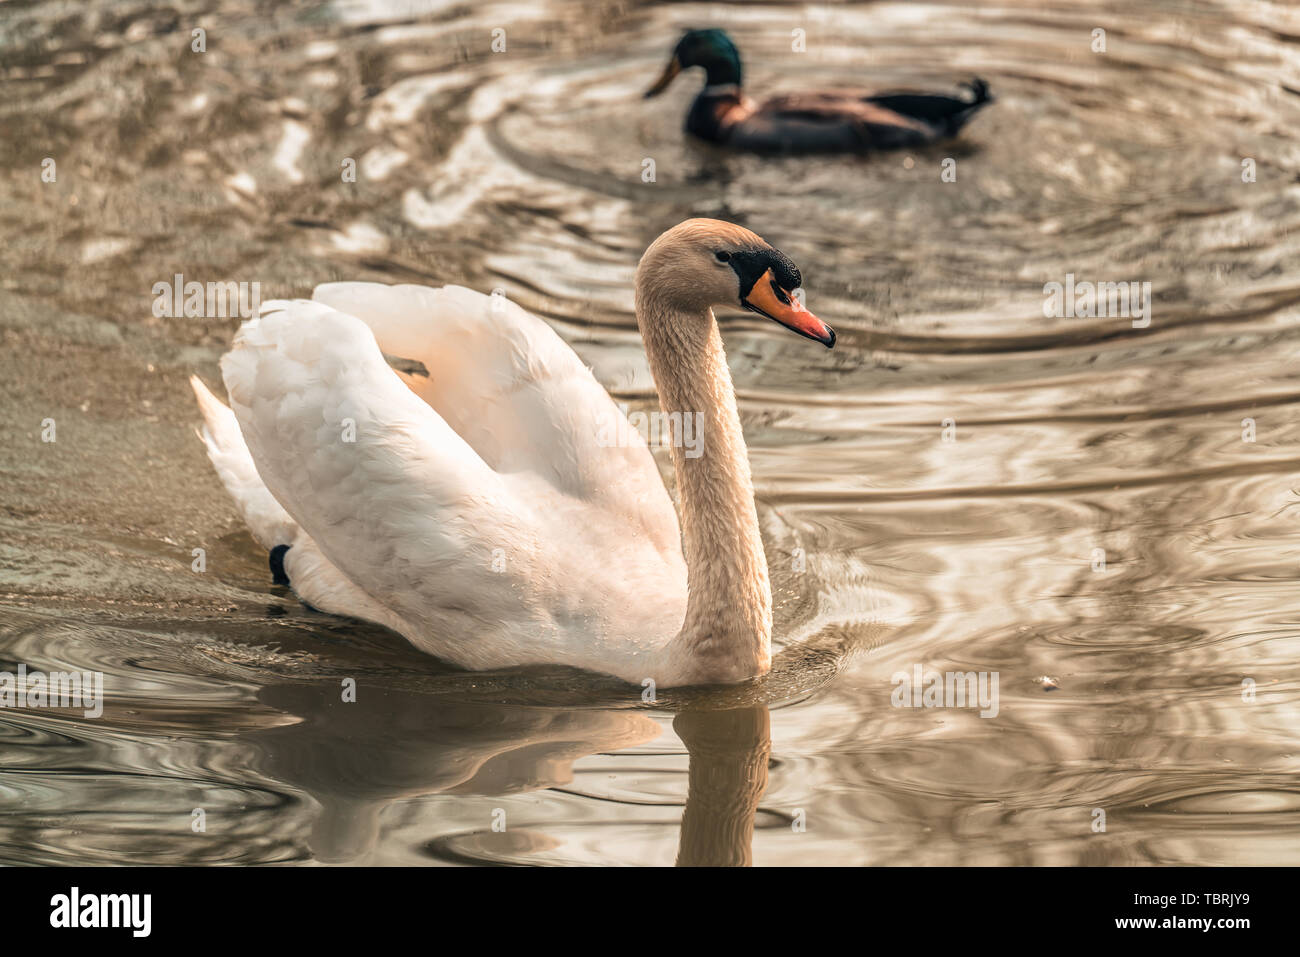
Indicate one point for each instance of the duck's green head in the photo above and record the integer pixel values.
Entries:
(710, 49)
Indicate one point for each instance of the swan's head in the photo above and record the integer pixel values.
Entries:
(703, 264)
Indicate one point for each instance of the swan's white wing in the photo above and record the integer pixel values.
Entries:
(266, 518)
(310, 573)
(517, 394)
(553, 555)
(393, 497)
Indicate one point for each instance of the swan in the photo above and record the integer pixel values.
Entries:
(481, 510)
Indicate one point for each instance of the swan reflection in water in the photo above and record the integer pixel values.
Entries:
(728, 774)
(355, 759)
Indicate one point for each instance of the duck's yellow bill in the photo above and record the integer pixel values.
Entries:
(780, 305)
(670, 72)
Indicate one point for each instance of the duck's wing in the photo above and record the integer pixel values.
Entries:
(826, 122)
(515, 392)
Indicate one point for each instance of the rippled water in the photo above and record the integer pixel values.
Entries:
(523, 170)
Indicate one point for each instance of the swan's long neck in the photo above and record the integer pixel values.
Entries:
(726, 635)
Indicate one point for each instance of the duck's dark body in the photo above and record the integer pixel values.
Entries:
(824, 121)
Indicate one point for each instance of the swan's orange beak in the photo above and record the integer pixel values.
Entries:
(768, 299)
(670, 72)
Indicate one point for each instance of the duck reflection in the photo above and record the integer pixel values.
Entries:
(357, 758)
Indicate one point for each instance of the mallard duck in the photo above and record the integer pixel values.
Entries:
(817, 121)
(501, 510)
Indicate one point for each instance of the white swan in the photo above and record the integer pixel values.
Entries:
(482, 511)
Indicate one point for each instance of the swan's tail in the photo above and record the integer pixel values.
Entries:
(264, 516)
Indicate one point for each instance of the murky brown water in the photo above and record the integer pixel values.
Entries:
(523, 170)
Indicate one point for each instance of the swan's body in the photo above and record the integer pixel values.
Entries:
(813, 121)
(481, 511)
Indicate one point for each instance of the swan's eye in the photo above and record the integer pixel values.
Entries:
(722, 256)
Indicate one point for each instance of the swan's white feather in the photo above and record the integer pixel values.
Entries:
(513, 389)
(266, 519)
(476, 511)
(315, 580)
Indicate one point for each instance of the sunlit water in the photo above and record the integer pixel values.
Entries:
(1091, 511)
